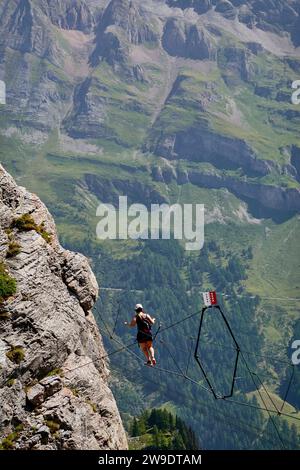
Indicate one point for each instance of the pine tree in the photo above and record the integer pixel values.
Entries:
(135, 428)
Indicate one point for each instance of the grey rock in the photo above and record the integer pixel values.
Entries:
(36, 394)
(202, 6)
(128, 15)
(226, 9)
(254, 47)
(157, 174)
(88, 113)
(267, 198)
(237, 61)
(69, 14)
(122, 19)
(32, 442)
(278, 16)
(135, 190)
(295, 160)
(55, 290)
(186, 40)
(80, 279)
(43, 430)
(182, 176)
(202, 144)
(51, 384)
(246, 16)
(110, 48)
(264, 91)
(169, 174)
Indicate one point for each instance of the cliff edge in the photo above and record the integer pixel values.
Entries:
(54, 391)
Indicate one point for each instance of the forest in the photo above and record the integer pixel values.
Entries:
(158, 429)
(168, 282)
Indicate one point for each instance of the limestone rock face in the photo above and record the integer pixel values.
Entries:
(123, 21)
(54, 393)
(185, 40)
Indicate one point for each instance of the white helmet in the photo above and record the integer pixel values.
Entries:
(138, 306)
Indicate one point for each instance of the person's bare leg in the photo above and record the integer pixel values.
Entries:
(145, 351)
(151, 352)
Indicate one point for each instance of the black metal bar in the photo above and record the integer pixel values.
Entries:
(234, 375)
(228, 327)
(288, 388)
(236, 359)
(197, 357)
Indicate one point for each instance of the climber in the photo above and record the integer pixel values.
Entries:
(144, 322)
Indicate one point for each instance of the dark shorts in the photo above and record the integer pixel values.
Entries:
(143, 337)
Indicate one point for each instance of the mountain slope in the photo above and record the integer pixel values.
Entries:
(162, 82)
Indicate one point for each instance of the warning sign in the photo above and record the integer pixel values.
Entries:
(210, 298)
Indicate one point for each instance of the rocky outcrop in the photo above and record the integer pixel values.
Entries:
(246, 16)
(226, 9)
(38, 87)
(128, 15)
(295, 160)
(186, 40)
(295, 33)
(109, 191)
(109, 47)
(122, 21)
(200, 6)
(69, 14)
(264, 197)
(265, 200)
(204, 145)
(24, 29)
(235, 63)
(53, 376)
(88, 112)
(278, 16)
(42, 106)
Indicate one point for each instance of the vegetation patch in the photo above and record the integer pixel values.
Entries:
(25, 223)
(92, 405)
(8, 284)
(4, 315)
(8, 443)
(14, 249)
(16, 354)
(54, 426)
(55, 372)
(10, 382)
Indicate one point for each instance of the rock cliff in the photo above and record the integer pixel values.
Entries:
(54, 391)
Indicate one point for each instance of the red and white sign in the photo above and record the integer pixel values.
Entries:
(210, 298)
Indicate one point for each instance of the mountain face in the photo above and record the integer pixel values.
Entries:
(278, 16)
(53, 380)
(174, 81)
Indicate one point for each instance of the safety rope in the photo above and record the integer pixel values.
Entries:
(197, 383)
(233, 424)
(126, 347)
